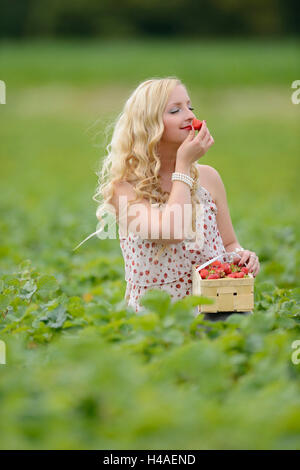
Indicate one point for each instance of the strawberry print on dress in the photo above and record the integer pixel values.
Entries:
(172, 272)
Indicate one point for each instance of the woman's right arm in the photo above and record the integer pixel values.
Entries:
(171, 224)
(146, 221)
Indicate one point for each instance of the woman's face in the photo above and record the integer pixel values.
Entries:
(178, 114)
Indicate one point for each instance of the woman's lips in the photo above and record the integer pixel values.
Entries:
(187, 127)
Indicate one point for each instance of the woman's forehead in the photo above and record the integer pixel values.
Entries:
(178, 95)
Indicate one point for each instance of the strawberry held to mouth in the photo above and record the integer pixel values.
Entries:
(196, 125)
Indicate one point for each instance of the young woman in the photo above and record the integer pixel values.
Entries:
(172, 212)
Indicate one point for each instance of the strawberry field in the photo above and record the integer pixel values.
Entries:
(82, 370)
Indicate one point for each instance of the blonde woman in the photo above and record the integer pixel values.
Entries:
(172, 212)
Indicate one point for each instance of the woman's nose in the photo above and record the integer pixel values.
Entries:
(190, 114)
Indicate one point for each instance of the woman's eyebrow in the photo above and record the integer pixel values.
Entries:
(188, 101)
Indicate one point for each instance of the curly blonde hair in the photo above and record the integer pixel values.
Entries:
(132, 152)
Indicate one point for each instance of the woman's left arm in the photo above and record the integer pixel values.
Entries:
(226, 229)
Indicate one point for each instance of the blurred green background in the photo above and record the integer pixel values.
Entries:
(68, 70)
(131, 18)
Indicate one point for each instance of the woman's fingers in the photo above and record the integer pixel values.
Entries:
(250, 265)
(244, 257)
(253, 263)
(250, 268)
(257, 268)
(235, 259)
(255, 272)
(204, 137)
(208, 140)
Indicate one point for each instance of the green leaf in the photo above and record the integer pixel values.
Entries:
(28, 290)
(157, 301)
(75, 306)
(4, 302)
(47, 285)
(55, 318)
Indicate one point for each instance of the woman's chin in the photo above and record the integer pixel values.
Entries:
(177, 140)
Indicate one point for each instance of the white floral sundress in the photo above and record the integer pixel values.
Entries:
(172, 272)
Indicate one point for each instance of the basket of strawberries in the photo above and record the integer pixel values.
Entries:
(222, 279)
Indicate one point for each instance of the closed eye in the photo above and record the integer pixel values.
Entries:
(172, 112)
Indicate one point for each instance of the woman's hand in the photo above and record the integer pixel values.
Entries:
(193, 148)
(252, 259)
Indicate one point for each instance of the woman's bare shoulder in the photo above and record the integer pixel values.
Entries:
(122, 188)
(208, 179)
(206, 173)
(207, 168)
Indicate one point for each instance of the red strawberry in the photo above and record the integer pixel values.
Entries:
(232, 275)
(204, 273)
(235, 268)
(216, 263)
(241, 274)
(220, 271)
(197, 124)
(213, 276)
(226, 268)
(245, 270)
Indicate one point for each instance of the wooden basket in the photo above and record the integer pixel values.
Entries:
(229, 294)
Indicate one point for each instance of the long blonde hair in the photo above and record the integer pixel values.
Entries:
(132, 152)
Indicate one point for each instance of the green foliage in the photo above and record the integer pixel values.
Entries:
(89, 374)
(83, 370)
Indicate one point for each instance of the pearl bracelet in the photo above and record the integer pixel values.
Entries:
(183, 177)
